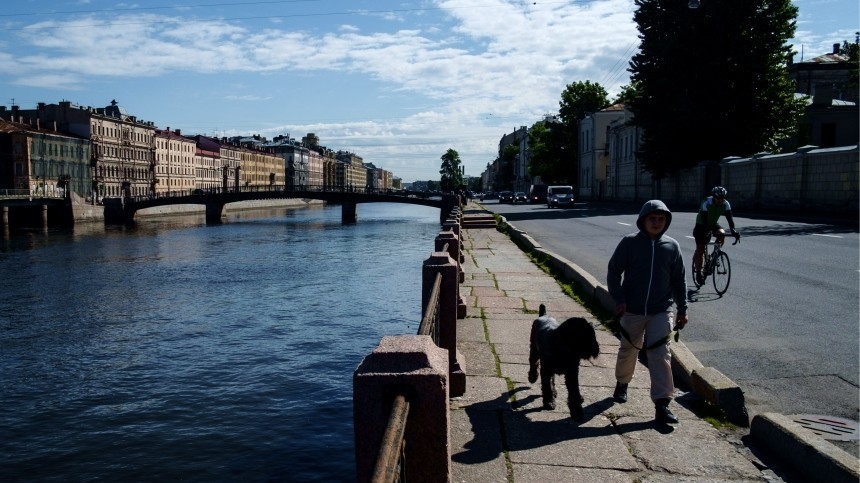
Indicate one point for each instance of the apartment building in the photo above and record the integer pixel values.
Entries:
(175, 168)
(594, 150)
(43, 160)
(123, 147)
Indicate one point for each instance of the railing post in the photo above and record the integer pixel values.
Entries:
(440, 262)
(410, 363)
(449, 238)
(451, 224)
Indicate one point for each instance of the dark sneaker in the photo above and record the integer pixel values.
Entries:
(700, 278)
(620, 394)
(664, 415)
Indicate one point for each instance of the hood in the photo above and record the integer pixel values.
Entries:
(650, 207)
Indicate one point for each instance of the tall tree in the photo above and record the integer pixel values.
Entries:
(452, 177)
(852, 50)
(554, 142)
(505, 176)
(712, 81)
(578, 100)
(546, 152)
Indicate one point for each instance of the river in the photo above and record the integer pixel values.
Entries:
(174, 350)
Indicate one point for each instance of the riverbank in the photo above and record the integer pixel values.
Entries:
(83, 212)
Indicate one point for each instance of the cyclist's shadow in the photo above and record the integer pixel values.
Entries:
(697, 294)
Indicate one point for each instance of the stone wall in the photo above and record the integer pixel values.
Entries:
(811, 179)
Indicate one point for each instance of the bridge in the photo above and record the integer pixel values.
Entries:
(215, 200)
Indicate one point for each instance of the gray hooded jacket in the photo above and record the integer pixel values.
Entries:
(652, 269)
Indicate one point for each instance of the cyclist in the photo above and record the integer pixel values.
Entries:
(710, 211)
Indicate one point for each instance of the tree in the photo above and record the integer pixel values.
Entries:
(452, 177)
(852, 50)
(505, 176)
(627, 94)
(554, 143)
(713, 81)
(578, 100)
(546, 152)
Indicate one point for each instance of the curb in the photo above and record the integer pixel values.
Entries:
(807, 452)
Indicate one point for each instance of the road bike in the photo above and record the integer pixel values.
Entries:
(717, 266)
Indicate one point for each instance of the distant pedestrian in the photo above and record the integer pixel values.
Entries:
(645, 277)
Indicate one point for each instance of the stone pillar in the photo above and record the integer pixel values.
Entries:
(414, 365)
(5, 216)
(440, 262)
(215, 212)
(44, 216)
(453, 225)
(347, 212)
(454, 241)
(449, 202)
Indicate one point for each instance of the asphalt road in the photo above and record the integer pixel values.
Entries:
(787, 331)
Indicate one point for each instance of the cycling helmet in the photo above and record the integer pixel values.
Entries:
(719, 192)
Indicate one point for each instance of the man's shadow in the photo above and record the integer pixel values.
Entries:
(499, 425)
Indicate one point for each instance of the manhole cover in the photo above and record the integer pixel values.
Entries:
(830, 427)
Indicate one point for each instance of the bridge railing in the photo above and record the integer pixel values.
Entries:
(26, 194)
(402, 390)
(274, 189)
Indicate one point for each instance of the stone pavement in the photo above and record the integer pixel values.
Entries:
(499, 431)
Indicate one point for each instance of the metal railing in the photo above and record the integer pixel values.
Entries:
(25, 194)
(267, 188)
(391, 459)
(430, 320)
(391, 462)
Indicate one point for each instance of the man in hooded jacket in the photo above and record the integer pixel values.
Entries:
(653, 280)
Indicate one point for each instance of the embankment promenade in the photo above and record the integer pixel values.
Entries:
(497, 430)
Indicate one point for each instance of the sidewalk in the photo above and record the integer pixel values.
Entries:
(499, 431)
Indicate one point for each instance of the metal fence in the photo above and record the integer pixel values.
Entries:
(391, 460)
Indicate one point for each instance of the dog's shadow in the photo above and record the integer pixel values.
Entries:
(499, 425)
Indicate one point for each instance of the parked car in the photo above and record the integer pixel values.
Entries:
(559, 197)
(506, 197)
(520, 197)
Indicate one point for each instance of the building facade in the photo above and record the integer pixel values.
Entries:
(175, 169)
(43, 161)
(594, 151)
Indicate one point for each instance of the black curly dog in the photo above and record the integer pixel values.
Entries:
(557, 349)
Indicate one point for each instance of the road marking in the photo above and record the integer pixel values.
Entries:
(829, 236)
(625, 224)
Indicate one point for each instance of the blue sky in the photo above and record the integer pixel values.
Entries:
(397, 82)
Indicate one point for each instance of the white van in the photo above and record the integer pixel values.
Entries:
(559, 197)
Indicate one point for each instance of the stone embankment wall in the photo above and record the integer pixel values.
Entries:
(809, 180)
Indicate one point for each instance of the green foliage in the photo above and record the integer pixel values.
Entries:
(452, 177)
(554, 142)
(505, 177)
(578, 100)
(475, 185)
(713, 81)
(627, 94)
(852, 49)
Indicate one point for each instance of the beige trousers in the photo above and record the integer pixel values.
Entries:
(647, 330)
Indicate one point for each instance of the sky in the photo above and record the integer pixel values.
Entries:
(396, 82)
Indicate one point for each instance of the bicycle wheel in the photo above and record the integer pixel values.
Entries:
(722, 273)
(693, 276)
